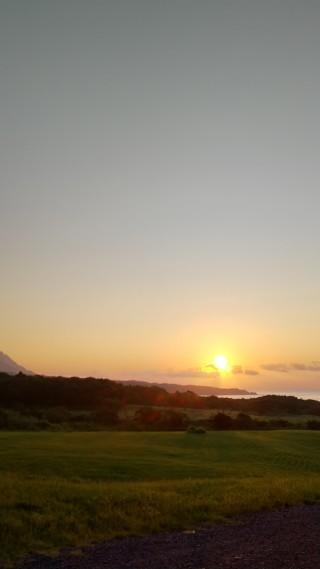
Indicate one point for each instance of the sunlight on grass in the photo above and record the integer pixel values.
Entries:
(59, 489)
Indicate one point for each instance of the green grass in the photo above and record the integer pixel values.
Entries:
(61, 489)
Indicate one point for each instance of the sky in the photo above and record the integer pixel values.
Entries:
(159, 189)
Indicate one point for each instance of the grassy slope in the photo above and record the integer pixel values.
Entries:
(61, 489)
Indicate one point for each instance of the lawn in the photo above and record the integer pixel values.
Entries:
(59, 489)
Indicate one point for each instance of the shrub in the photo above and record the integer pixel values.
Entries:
(221, 422)
(244, 422)
(314, 425)
(150, 418)
(106, 417)
(57, 415)
(195, 430)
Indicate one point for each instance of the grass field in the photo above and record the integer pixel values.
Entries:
(59, 489)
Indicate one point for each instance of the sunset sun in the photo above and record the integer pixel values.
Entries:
(221, 363)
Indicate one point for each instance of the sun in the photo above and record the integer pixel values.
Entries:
(221, 362)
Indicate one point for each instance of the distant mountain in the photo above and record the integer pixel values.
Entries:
(198, 389)
(7, 365)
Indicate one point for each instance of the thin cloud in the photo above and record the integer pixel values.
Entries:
(209, 371)
(314, 366)
(190, 372)
(196, 372)
(276, 367)
(245, 371)
(237, 369)
(296, 366)
(251, 372)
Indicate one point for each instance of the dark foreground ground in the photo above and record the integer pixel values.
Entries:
(285, 539)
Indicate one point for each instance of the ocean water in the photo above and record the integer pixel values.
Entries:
(300, 394)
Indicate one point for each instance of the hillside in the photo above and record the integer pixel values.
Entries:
(104, 394)
(198, 389)
(8, 365)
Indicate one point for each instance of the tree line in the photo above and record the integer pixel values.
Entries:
(98, 402)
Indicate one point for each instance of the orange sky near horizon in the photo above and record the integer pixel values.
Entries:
(130, 349)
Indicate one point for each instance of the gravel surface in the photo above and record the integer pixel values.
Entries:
(285, 539)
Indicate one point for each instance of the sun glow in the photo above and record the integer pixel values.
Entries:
(221, 362)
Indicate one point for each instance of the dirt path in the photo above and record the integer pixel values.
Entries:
(286, 539)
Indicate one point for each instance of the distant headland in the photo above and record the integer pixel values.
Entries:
(198, 389)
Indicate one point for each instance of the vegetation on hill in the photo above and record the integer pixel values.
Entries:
(41, 403)
(205, 390)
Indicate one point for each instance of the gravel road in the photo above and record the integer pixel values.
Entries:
(284, 539)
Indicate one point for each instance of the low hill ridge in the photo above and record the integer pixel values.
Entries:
(198, 389)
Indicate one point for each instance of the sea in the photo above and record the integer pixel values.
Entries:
(300, 394)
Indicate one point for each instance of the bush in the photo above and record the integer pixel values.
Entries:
(15, 421)
(221, 422)
(106, 417)
(244, 422)
(195, 430)
(313, 425)
(150, 418)
(57, 415)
